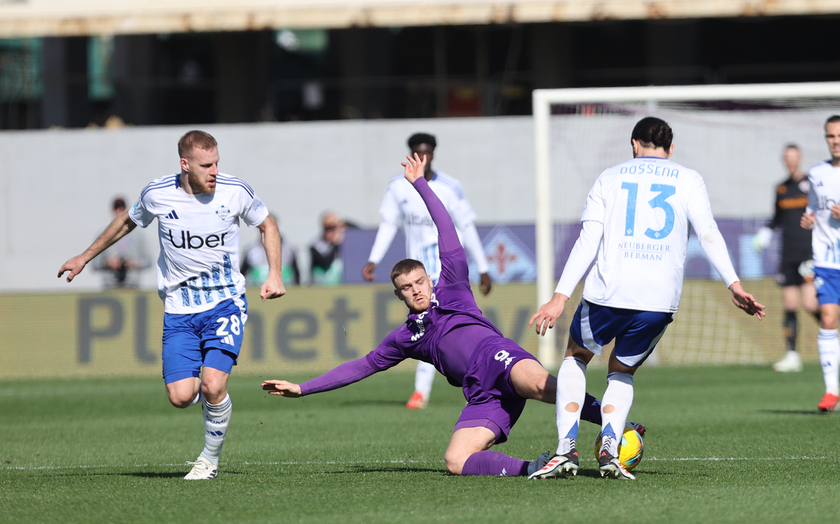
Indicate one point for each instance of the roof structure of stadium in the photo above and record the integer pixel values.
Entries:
(30, 18)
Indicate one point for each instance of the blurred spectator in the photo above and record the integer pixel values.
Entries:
(255, 264)
(327, 267)
(122, 262)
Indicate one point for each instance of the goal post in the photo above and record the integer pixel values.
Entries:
(823, 96)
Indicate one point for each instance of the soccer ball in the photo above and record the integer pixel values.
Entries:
(630, 449)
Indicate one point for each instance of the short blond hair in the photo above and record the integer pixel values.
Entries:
(195, 139)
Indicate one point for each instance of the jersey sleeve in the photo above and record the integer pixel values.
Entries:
(711, 241)
(461, 211)
(776, 221)
(581, 257)
(390, 209)
(140, 212)
(595, 207)
(254, 211)
(387, 355)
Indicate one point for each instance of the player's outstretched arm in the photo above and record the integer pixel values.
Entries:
(549, 313)
(746, 302)
(118, 228)
(282, 388)
(273, 286)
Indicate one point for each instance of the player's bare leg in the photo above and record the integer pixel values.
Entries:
(216, 410)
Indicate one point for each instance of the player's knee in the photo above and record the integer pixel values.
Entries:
(454, 464)
(180, 400)
(214, 392)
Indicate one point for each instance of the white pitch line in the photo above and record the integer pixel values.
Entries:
(363, 462)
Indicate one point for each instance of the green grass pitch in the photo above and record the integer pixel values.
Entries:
(724, 444)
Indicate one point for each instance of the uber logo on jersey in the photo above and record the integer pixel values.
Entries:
(188, 241)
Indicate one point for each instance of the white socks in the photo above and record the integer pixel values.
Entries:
(615, 406)
(829, 348)
(216, 419)
(571, 391)
(424, 377)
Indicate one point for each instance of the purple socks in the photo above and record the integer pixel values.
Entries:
(490, 462)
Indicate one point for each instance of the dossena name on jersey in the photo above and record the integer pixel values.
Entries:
(652, 169)
(189, 241)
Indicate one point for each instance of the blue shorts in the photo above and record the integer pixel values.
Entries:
(211, 338)
(636, 333)
(827, 283)
(492, 402)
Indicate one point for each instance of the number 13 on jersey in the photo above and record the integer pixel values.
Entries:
(659, 201)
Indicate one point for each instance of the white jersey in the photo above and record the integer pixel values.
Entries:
(645, 206)
(403, 207)
(198, 266)
(824, 179)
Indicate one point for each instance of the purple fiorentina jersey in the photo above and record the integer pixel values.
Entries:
(445, 335)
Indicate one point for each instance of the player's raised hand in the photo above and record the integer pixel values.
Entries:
(282, 388)
(75, 266)
(549, 313)
(807, 220)
(746, 302)
(415, 167)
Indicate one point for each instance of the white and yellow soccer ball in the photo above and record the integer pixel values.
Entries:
(630, 449)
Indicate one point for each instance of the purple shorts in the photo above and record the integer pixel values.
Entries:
(492, 401)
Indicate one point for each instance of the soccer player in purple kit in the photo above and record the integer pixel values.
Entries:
(446, 328)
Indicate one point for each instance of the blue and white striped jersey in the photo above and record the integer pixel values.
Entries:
(823, 194)
(198, 266)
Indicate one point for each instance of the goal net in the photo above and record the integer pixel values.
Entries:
(734, 135)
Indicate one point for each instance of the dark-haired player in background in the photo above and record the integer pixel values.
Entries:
(635, 228)
(795, 275)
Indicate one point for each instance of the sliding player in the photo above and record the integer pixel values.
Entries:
(198, 213)
(446, 328)
(635, 227)
(402, 206)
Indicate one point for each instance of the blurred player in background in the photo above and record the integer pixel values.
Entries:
(635, 228)
(823, 216)
(795, 274)
(198, 213)
(446, 328)
(403, 207)
(122, 262)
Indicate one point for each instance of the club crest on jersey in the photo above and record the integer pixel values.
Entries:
(223, 212)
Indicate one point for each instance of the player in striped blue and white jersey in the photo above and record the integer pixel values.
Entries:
(823, 215)
(403, 207)
(198, 213)
(635, 228)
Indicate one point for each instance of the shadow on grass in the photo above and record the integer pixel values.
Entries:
(385, 469)
(371, 402)
(791, 412)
